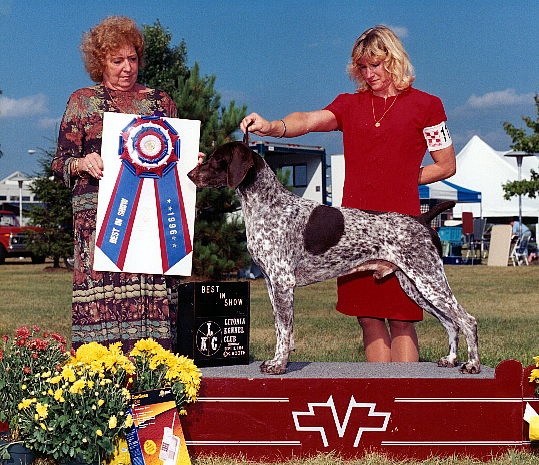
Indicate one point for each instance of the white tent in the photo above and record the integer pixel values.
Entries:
(445, 190)
(481, 168)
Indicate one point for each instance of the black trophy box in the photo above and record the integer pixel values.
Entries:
(213, 323)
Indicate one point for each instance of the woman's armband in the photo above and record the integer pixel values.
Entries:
(437, 137)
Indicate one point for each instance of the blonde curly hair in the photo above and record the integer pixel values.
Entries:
(380, 44)
(109, 35)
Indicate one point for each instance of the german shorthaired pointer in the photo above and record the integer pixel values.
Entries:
(297, 242)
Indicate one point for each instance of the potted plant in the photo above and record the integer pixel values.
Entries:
(79, 412)
(23, 357)
(157, 368)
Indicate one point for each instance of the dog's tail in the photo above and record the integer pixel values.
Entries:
(427, 217)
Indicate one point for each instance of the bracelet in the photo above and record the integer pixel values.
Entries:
(77, 172)
(284, 129)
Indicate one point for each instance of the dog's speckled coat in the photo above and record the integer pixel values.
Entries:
(296, 242)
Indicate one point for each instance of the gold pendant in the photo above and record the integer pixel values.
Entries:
(377, 125)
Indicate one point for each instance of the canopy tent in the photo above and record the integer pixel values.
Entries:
(481, 168)
(445, 190)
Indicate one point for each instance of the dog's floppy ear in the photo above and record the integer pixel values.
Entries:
(241, 161)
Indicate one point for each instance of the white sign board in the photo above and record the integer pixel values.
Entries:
(146, 203)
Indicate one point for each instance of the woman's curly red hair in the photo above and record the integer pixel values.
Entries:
(109, 35)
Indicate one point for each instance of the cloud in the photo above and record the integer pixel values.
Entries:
(501, 98)
(27, 106)
(49, 123)
(400, 31)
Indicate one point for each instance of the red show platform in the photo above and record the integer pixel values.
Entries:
(405, 410)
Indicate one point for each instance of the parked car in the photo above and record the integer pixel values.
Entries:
(13, 238)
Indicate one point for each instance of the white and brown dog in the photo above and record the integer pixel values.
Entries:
(296, 242)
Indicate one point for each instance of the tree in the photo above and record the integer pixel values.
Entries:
(164, 64)
(219, 239)
(219, 242)
(528, 143)
(54, 215)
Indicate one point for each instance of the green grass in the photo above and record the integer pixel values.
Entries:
(512, 458)
(505, 301)
(35, 295)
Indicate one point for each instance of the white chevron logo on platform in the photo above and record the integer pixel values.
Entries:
(341, 428)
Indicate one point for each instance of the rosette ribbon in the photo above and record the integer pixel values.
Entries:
(149, 149)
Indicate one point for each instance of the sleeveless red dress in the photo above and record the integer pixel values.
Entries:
(381, 172)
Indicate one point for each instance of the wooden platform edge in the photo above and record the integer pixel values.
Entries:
(269, 419)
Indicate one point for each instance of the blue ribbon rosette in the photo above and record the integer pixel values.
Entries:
(149, 148)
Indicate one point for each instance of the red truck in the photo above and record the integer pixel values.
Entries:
(13, 238)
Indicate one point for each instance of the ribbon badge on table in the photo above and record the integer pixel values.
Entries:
(149, 149)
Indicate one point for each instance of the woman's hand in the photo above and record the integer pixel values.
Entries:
(293, 125)
(91, 164)
(259, 126)
(200, 158)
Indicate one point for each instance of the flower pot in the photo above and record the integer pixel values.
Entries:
(20, 455)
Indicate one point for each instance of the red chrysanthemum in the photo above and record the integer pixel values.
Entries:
(38, 344)
(59, 338)
(23, 332)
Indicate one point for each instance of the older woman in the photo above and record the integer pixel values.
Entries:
(387, 126)
(109, 307)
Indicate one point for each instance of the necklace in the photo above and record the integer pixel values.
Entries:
(377, 123)
(113, 100)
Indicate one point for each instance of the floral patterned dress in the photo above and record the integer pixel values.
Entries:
(109, 307)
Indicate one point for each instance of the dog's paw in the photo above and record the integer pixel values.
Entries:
(273, 367)
(470, 368)
(448, 362)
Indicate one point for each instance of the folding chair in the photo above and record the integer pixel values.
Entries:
(520, 249)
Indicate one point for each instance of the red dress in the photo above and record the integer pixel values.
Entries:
(381, 173)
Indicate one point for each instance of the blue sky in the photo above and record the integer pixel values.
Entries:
(480, 58)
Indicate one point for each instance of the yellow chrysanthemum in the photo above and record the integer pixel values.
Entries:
(100, 402)
(128, 421)
(77, 386)
(58, 394)
(142, 346)
(26, 403)
(534, 375)
(99, 432)
(69, 374)
(113, 422)
(55, 380)
(42, 410)
(43, 426)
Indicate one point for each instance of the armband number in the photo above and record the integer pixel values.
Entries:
(437, 137)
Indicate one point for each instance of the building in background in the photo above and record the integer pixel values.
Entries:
(15, 192)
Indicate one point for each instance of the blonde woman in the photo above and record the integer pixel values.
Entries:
(387, 126)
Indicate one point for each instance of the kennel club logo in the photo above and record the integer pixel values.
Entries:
(316, 419)
(149, 148)
(209, 338)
